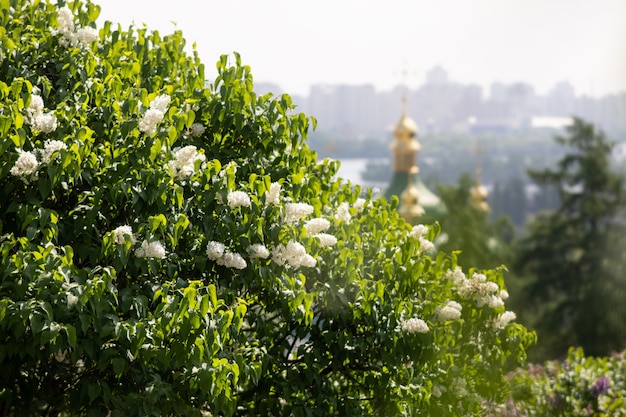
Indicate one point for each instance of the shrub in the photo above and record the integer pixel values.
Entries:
(173, 247)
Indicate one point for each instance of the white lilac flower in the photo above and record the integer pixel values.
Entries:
(46, 122)
(258, 250)
(232, 260)
(35, 107)
(149, 121)
(196, 129)
(293, 254)
(87, 35)
(66, 20)
(151, 250)
(120, 233)
(504, 319)
(184, 161)
(316, 225)
(359, 205)
(326, 239)
(238, 199)
(414, 325)
(418, 231)
(451, 311)
(504, 294)
(25, 166)
(49, 148)
(272, 196)
(457, 276)
(160, 103)
(214, 250)
(495, 301)
(426, 245)
(296, 211)
(343, 212)
(478, 288)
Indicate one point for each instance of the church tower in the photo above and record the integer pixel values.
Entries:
(416, 200)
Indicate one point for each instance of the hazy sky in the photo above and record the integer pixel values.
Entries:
(296, 43)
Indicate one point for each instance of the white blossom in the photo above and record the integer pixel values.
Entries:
(151, 250)
(65, 20)
(296, 211)
(150, 120)
(120, 233)
(482, 291)
(504, 319)
(49, 148)
(457, 276)
(160, 103)
(451, 311)
(184, 161)
(238, 199)
(359, 205)
(87, 35)
(414, 325)
(343, 212)
(326, 239)
(426, 245)
(215, 250)
(46, 122)
(418, 231)
(232, 260)
(258, 250)
(25, 166)
(196, 129)
(293, 254)
(316, 225)
(459, 387)
(35, 107)
(272, 196)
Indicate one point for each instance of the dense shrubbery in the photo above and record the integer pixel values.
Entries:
(172, 247)
(578, 386)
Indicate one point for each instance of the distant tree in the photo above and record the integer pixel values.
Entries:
(468, 227)
(572, 258)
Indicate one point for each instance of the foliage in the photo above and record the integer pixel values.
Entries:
(573, 258)
(173, 247)
(467, 227)
(576, 387)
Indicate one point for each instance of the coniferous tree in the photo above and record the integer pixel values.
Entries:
(572, 257)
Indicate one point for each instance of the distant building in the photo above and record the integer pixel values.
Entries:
(416, 200)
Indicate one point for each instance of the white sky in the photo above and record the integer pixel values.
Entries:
(296, 43)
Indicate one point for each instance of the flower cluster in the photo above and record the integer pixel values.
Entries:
(272, 196)
(326, 239)
(184, 161)
(343, 212)
(418, 232)
(503, 320)
(316, 225)
(238, 199)
(50, 147)
(258, 250)
(154, 114)
(151, 250)
(82, 37)
(293, 254)
(25, 166)
(450, 311)
(216, 251)
(414, 325)
(483, 292)
(45, 122)
(296, 211)
(120, 233)
(196, 129)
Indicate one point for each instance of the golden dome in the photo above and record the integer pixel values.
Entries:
(406, 127)
(478, 197)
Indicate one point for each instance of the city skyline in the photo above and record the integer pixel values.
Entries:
(298, 44)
